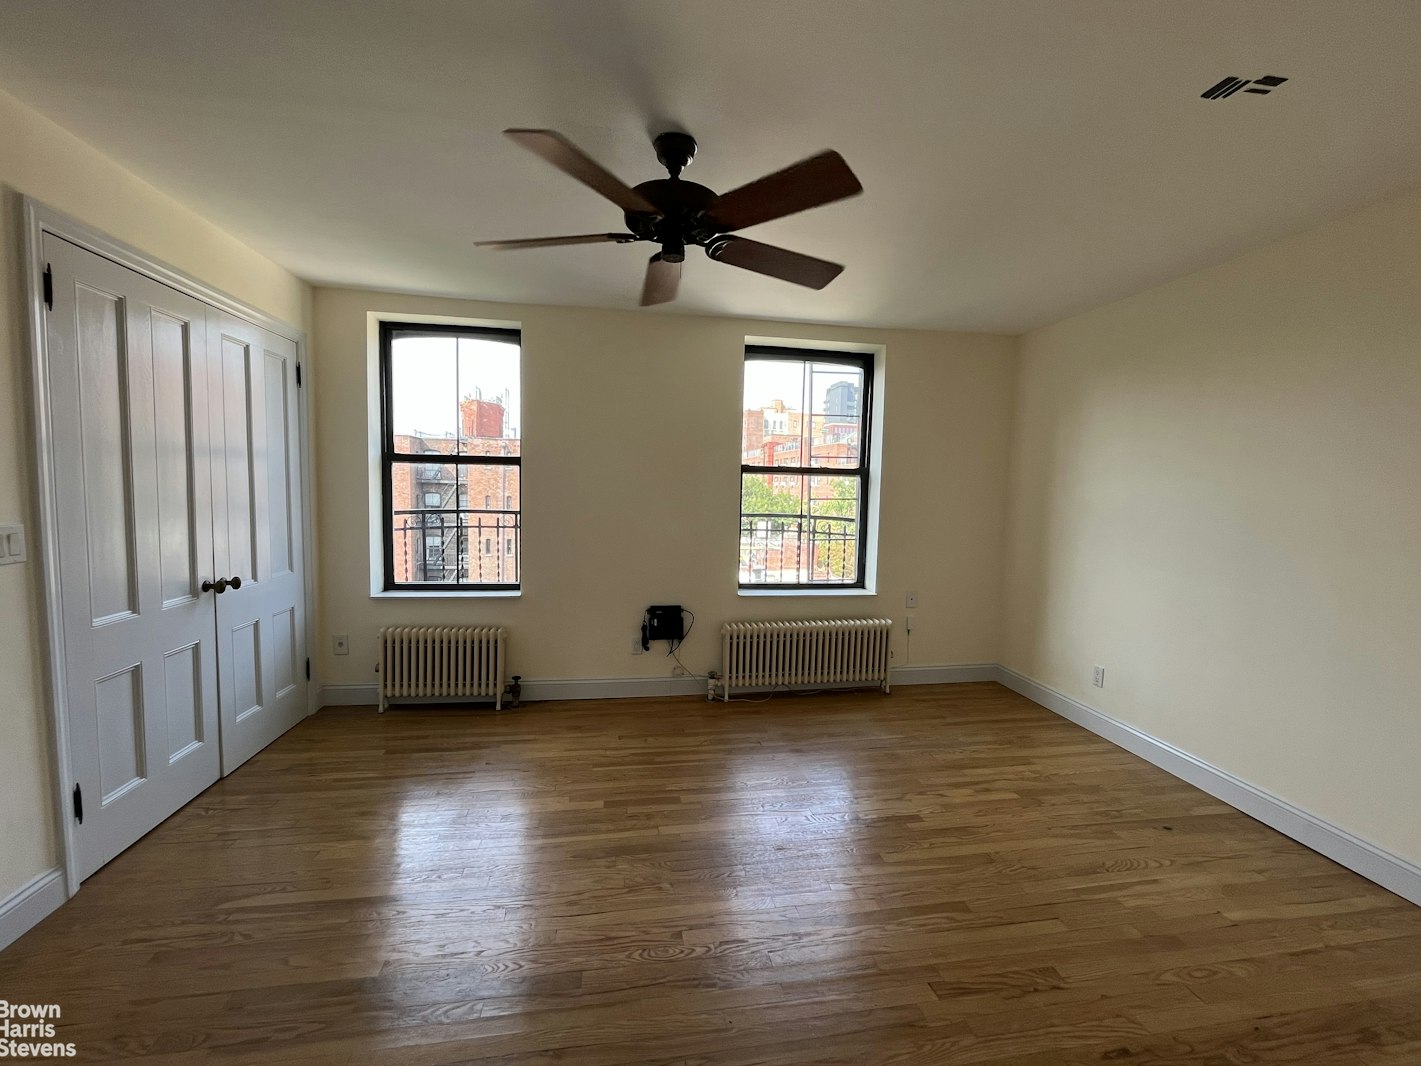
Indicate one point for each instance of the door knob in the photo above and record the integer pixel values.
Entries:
(219, 586)
(235, 583)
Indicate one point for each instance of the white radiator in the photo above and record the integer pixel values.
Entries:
(827, 652)
(435, 661)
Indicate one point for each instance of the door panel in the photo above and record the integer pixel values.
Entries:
(172, 392)
(234, 460)
(118, 705)
(278, 463)
(130, 412)
(244, 666)
(261, 625)
(106, 441)
(182, 676)
(283, 649)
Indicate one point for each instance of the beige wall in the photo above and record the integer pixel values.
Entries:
(631, 429)
(1216, 495)
(39, 159)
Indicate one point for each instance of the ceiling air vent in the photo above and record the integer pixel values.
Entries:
(1230, 85)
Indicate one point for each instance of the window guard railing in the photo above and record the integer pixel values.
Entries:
(798, 550)
(458, 557)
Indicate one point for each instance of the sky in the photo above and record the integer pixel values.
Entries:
(767, 380)
(429, 380)
(431, 375)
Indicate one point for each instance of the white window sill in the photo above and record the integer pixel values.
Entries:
(452, 594)
(812, 593)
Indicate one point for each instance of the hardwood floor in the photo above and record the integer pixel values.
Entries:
(945, 875)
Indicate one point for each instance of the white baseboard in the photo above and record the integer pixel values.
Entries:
(30, 904)
(617, 688)
(612, 688)
(1376, 864)
(581, 688)
(348, 696)
(941, 675)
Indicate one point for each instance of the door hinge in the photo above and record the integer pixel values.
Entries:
(49, 286)
(298, 375)
(308, 669)
(79, 803)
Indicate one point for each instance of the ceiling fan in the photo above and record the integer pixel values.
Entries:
(674, 213)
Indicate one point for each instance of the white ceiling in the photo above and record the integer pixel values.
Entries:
(1022, 159)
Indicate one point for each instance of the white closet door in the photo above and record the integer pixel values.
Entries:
(257, 526)
(128, 373)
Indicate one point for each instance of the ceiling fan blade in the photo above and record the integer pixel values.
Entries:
(555, 242)
(776, 262)
(811, 182)
(575, 163)
(662, 279)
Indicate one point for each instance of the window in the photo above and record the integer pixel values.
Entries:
(804, 468)
(449, 432)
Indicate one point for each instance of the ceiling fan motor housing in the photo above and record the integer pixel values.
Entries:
(682, 220)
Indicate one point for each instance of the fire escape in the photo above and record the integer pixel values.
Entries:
(447, 559)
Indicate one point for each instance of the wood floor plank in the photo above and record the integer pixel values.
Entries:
(946, 874)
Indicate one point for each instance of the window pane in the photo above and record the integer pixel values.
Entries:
(425, 541)
(492, 533)
(454, 395)
(419, 487)
(438, 539)
(488, 485)
(836, 418)
(797, 413)
(772, 423)
(798, 530)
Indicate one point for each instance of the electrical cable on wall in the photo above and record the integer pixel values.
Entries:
(674, 646)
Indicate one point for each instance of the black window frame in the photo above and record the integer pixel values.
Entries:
(389, 331)
(863, 472)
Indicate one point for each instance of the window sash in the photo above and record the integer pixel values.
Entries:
(389, 333)
(862, 361)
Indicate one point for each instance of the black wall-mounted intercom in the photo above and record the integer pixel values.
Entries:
(663, 622)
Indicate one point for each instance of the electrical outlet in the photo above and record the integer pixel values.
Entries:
(1098, 678)
(908, 623)
(910, 600)
(637, 649)
(341, 641)
(12, 545)
(677, 671)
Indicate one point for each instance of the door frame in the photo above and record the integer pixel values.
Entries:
(39, 220)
